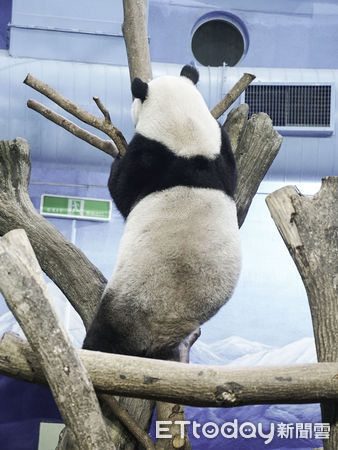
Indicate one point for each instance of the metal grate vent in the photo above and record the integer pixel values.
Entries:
(291, 105)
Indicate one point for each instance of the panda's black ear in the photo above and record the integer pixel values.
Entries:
(139, 89)
(191, 73)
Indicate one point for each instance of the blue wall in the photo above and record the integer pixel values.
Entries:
(282, 33)
(279, 33)
(5, 18)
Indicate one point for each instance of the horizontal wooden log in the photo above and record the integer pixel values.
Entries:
(189, 384)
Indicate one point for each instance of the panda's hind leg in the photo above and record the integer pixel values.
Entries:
(117, 329)
(102, 337)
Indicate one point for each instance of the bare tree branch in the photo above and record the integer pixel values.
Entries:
(135, 34)
(185, 346)
(103, 109)
(172, 412)
(75, 110)
(107, 146)
(123, 415)
(232, 95)
(190, 384)
(23, 287)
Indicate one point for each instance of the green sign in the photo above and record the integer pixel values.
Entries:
(75, 207)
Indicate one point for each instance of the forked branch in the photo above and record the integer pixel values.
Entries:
(107, 146)
(117, 145)
(97, 122)
(103, 109)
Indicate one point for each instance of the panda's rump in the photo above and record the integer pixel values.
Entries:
(179, 255)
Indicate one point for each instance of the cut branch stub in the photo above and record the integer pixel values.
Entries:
(256, 145)
(232, 95)
(309, 228)
(103, 109)
(172, 412)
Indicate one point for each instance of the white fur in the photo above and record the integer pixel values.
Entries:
(175, 114)
(178, 261)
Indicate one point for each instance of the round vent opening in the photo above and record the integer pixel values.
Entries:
(217, 42)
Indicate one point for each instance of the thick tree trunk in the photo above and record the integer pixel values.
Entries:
(255, 145)
(136, 38)
(24, 289)
(309, 228)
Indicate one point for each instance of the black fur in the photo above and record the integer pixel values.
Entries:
(149, 166)
(191, 73)
(117, 332)
(139, 89)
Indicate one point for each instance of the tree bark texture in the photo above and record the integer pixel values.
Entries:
(172, 412)
(105, 145)
(255, 144)
(24, 289)
(232, 95)
(309, 228)
(81, 282)
(136, 38)
(189, 384)
(97, 122)
(129, 422)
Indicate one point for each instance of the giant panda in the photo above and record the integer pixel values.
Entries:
(179, 256)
